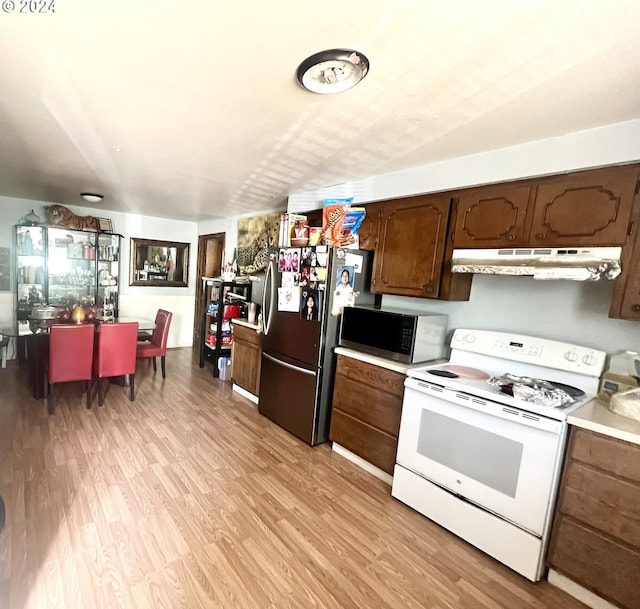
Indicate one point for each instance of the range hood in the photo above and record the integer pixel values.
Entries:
(579, 264)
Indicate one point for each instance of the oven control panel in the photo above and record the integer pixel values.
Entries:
(531, 349)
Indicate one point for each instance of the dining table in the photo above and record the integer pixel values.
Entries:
(33, 345)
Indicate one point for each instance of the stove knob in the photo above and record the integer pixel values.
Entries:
(470, 338)
(571, 356)
(588, 359)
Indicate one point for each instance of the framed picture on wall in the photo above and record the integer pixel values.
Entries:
(105, 225)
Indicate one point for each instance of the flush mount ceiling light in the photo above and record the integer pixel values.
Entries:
(332, 71)
(91, 198)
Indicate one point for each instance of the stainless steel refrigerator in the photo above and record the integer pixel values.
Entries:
(298, 360)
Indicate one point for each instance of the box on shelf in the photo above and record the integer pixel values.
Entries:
(227, 339)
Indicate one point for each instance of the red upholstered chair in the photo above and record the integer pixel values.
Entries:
(116, 355)
(158, 345)
(70, 358)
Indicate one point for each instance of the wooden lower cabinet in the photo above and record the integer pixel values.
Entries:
(365, 416)
(246, 357)
(596, 532)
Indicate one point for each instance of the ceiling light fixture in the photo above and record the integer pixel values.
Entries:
(91, 198)
(332, 71)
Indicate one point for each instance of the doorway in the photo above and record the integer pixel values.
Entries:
(210, 249)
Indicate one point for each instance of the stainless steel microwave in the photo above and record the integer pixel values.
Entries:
(395, 334)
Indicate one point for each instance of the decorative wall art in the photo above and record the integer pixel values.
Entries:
(255, 236)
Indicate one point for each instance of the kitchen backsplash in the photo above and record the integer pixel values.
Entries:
(569, 311)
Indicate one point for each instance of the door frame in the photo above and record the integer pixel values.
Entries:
(207, 261)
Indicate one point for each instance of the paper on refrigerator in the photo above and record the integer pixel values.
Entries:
(288, 299)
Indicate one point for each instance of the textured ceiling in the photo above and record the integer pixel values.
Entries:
(191, 110)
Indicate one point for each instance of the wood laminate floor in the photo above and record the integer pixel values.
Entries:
(189, 498)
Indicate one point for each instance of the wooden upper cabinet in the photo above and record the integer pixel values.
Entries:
(368, 231)
(314, 217)
(411, 242)
(585, 208)
(493, 216)
(625, 302)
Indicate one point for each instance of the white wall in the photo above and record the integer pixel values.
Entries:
(570, 311)
(562, 310)
(135, 301)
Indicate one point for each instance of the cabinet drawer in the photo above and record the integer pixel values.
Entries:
(372, 376)
(247, 335)
(363, 440)
(596, 562)
(378, 409)
(611, 455)
(606, 503)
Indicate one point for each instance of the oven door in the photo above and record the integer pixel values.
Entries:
(498, 457)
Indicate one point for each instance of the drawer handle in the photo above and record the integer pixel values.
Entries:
(511, 237)
(540, 236)
(636, 307)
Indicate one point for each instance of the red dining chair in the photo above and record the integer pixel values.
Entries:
(70, 358)
(116, 355)
(157, 347)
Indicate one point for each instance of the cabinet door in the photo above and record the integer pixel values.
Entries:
(587, 208)
(107, 258)
(30, 270)
(493, 216)
(245, 365)
(368, 231)
(412, 238)
(71, 267)
(625, 302)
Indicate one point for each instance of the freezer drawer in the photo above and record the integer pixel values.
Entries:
(288, 397)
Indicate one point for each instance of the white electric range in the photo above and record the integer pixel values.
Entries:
(482, 439)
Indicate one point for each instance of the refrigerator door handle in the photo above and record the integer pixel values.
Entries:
(269, 286)
(291, 366)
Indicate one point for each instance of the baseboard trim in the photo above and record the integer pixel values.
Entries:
(577, 591)
(360, 462)
(245, 393)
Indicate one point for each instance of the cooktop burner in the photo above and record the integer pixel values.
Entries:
(452, 371)
(444, 373)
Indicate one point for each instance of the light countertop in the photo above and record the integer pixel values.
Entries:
(595, 416)
(389, 364)
(245, 323)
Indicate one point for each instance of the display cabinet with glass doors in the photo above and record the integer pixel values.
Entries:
(62, 267)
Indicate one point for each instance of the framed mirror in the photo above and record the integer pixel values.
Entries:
(159, 263)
